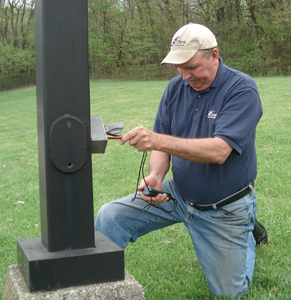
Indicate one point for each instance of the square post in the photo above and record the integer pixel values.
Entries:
(63, 116)
(68, 253)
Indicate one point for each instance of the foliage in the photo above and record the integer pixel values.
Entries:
(17, 57)
(17, 66)
(128, 39)
(163, 261)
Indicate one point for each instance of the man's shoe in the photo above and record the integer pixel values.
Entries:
(260, 233)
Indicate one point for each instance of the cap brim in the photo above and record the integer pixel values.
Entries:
(178, 57)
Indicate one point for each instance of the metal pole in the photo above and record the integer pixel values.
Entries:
(69, 252)
(63, 106)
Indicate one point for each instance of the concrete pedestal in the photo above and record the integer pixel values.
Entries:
(129, 289)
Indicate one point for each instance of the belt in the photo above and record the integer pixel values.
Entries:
(230, 199)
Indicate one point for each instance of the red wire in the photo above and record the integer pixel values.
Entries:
(119, 137)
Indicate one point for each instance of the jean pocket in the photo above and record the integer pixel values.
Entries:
(237, 213)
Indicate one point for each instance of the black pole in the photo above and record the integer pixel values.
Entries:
(68, 252)
(63, 106)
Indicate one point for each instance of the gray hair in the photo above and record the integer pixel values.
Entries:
(207, 52)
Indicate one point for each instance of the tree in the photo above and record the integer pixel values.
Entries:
(17, 54)
(17, 23)
(129, 38)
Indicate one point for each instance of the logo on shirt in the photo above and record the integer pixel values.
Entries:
(212, 114)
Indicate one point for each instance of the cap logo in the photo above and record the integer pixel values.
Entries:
(177, 42)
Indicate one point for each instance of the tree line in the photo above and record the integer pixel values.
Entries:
(129, 38)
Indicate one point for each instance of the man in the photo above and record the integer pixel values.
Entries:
(206, 124)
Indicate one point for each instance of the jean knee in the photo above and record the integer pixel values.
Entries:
(105, 215)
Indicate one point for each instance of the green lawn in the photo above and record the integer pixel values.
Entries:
(164, 262)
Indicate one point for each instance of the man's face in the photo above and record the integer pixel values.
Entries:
(200, 71)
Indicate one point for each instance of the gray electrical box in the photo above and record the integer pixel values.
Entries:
(98, 135)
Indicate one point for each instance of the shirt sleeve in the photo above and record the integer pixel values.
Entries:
(236, 122)
(162, 123)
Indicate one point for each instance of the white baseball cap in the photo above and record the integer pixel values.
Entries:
(187, 41)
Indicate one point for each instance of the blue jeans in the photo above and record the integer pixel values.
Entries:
(222, 238)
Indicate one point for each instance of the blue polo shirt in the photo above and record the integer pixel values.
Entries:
(230, 109)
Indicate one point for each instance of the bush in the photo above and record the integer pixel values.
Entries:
(17, 67)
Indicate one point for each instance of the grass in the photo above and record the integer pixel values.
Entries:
(164, 261)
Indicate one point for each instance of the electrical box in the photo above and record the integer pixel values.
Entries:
(98, 135)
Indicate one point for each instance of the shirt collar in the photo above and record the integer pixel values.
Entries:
(219, 79)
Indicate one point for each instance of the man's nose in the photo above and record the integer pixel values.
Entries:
(185, 74)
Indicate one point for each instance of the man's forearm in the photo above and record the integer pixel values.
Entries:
(204, 150)
(159, 164)
(207, 150)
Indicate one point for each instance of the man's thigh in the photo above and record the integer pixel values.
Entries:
(125, 220)
(224, 245)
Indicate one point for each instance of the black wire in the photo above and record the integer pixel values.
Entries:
(141, 172)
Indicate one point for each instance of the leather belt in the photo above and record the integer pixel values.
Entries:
(230, 199)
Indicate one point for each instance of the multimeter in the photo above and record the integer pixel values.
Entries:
(153, 193)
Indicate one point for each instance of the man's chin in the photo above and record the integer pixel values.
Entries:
(195, 85)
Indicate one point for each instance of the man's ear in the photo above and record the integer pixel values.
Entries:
(215, 55)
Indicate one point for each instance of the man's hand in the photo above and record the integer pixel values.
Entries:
(203, 150)
(140, 138)
(155, 184)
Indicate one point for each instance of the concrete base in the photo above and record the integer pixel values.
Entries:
(15, 288)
